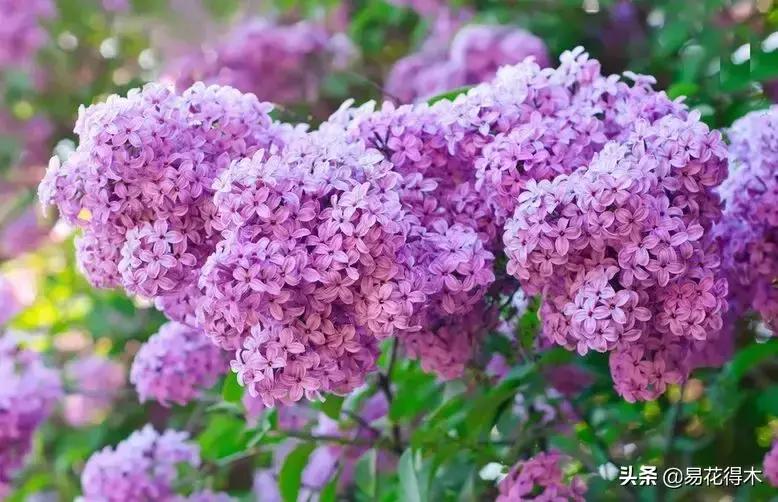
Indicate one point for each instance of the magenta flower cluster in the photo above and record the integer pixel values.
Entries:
(28, 394)
(176, 364)
(285, 64)
(143, 467)
(749, 229)
(139, 183)
(22, 32)
(471, 57)
(540, 478)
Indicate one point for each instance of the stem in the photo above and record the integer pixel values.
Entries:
(385, 383)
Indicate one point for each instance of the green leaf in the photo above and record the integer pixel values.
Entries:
(409, 482)
(330, 492)
(291, 472)
(365, 475)
(749, 357)
(332, 406)
(449, 95)
(224, 435)
(232, 392)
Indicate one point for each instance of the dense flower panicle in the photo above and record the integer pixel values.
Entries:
(142, 467)
(139, 183)
(770, 466)
(21, 32)
(540, 478)
(310, 242)
(28, 394)
(473, 56)
(283, 64)
(97, 381)
(176, 364)
(749, 229)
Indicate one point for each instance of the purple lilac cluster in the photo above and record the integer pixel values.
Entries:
(540, 478)
(310, 239)
(139, 183)
(21, 32)
(609, 195)
(176, 364)
(284, 64)
(28, 395)
(770, 466)
(300, 250)
(142, 467)
(97, 381)
(749, 229)
(472, 57)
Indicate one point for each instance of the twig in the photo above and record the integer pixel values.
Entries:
(385, 383)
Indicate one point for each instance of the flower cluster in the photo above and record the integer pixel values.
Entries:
(139, 183)
(771, 465)
(142, 467)
(21, 32)
(175, 364)
(609, 217)
(296, 285)
(472, 57)
(97, 381)
(279, 63)
(27, 396)
(749, 228)
(540, 478)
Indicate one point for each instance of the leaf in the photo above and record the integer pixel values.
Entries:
(330, 492)
(332, 406)
(449, 95)
(291, 472)
(223, 436)
(232, 392)
(409, 482)
(746, 359)
(365, 474)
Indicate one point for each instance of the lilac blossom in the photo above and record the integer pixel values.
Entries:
(28, 395)
(748, 231)
(176, 364)
(284, 64)
(540, 478)
(142, 467)
(472, 56)
(22, 32)
(770, 467)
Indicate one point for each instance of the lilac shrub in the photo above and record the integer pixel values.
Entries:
(28, 394)
(176, 364)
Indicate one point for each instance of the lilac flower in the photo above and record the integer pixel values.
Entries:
(21, 33)
(540, 478)
(280, 63)
(142, 467)
(474, 55)
(176, 364)
(28, 395)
